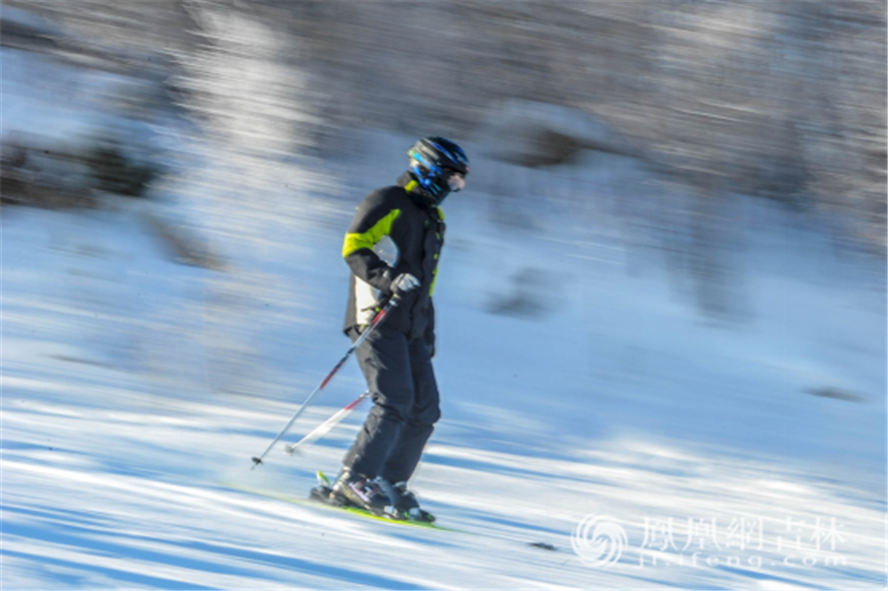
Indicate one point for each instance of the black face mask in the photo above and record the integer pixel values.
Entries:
(449, 182)
(422, 195)
(437, 201)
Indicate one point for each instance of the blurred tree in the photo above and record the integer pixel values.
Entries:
(780, 99)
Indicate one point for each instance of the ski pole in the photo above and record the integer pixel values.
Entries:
(327, 425)
(380, 316)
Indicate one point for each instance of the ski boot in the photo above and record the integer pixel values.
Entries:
(405, 507)
(358, 491)
(323, 493)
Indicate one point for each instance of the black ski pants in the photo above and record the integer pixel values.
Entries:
(406, 405)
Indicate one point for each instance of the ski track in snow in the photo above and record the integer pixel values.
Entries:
(124, 450)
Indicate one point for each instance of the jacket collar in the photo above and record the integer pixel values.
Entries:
(416, 193)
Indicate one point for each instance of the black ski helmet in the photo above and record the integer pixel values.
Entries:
(433, 160)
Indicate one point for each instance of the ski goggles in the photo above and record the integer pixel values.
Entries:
(456, 181)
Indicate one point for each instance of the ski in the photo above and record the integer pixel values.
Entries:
(314, 502)
(353, 511)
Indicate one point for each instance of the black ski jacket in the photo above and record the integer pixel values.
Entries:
(394, 231)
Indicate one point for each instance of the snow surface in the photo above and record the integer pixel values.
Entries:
(579, 381)
(126, 461)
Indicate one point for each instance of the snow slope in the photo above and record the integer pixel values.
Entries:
(136, 389)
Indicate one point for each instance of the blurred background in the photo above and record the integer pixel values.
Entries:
(698, 139)
(663, 289)
(783, 100)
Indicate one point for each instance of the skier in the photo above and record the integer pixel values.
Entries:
(392, 248)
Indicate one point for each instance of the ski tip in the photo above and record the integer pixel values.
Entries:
(322, 478)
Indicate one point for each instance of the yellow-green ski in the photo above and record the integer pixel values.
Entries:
(319, 504)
